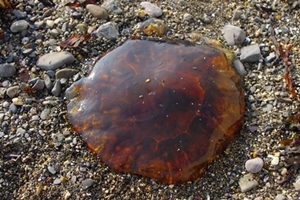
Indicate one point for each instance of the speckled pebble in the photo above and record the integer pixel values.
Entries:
(17, 101)
(247, 182)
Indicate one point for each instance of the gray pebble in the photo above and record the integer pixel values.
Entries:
(51, 169)
(48, 82)
(19, 26)
(239, 67)
(237, 15)
(12, 91)
(97, 11)
(56, 181)
(45, 114)
(268, 108)
(297, 185)
(151, 9)
(2, 92)
(270, 58)
(7, 70)
(254, 165)
(247, 182)
(5, 104)
(187, 17)
(39, 85)
(87, 183)
(280, 197)
(56, 90)
(108, 30)
(112, 6)
(39, 24)
(233, 35)
(13, 108)
(19, 14)
(250, 53)
(55, 60)
(65, 73)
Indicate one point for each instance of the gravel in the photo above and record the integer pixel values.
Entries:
(35, 133)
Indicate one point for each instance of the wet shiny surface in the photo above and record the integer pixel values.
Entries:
(160, 110)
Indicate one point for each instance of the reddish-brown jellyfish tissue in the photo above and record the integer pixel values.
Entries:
(163, 110)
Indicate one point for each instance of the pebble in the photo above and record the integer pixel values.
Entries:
(13, 108)
(297, 185)
(254, 165)
(267, 108)
(112, 6)
(239, 67)
(45, 114)
(19, 14)
(65, 73)
(39, 84)
(7, 70)
(17, 101)
(55, 60)
(247, 182)
(56, 90)
(19, 26)
(108, 30)
(187, 17)
(97, 11)
(233, 35)
(47, 81)
(151, 9)
(12, 91)
(280, 197)
(56, 181)
(237, 15)
(250, 53)
(87, 183)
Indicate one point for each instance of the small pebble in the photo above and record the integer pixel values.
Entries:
(55, 60)
(297, 185)
(97, 11)
(56, 90)
(239, 67)
(233, 35)
(19, 26)
(250, 53)
(112, 6)
(7, 70)
(247, 182)
(151, 9)
(280, 197)
(12, 91)
(254, 165)
(87, 183)
(108, 30)
(65, 73)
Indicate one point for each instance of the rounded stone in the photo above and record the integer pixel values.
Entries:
(254, 165)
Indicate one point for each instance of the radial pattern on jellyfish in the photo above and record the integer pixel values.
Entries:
(163, 110)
